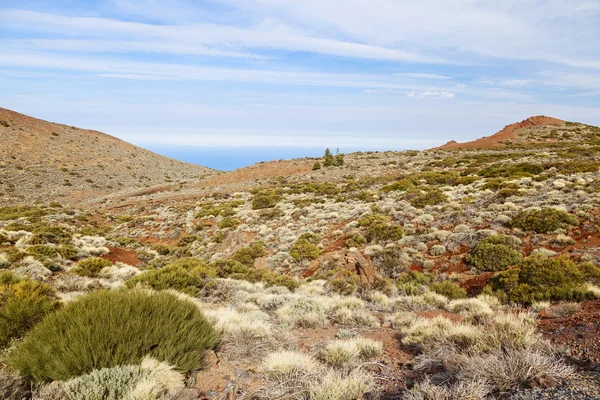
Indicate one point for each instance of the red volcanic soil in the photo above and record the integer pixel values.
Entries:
(509, 132)
(126, 256)
(580, 332)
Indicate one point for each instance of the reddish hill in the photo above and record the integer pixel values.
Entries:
(41, 160)
(509, 132)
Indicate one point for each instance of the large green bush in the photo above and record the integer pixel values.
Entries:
(109, 328)
(539, 278)
(23, 303)
(305, 247)
(543, 221)
(376, 228)
(495, 253)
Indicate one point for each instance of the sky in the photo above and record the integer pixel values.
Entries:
(372, 74)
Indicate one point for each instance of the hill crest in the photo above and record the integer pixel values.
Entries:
(507, 133)
(41, 160)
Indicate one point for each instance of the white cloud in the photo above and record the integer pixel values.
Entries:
(431, 95)
(422, 76)
(137, 70)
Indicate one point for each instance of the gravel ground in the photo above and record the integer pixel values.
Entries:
(583, 386)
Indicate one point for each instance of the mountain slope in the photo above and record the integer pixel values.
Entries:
(527, 130)
(41, 160)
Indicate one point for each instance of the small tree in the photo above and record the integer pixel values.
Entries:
(316, 166)
(328, 159)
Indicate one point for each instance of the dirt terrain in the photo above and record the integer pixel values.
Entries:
(41, 160)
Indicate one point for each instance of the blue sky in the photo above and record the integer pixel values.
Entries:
(353, 73)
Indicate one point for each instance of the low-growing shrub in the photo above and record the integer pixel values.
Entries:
(23, 303)
(538, 278)
(14, 387)
(186, 275)
(400, 185)
(427, 198)
(511, 170)
(41, 252)
(247, 255)
(449, 289)
(305, 247)
(265, 199)
(342, 282)
(151, 381)
(543, 221)
(495, 253)
(376, 228)
(91, 266)
(109, 328)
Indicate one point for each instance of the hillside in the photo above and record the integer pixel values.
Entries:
(471, 273)
(41, 160)
(536, 129)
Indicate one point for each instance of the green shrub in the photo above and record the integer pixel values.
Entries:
(430, 197)
(305, 247)
(187, 240)
(228, 222)
(539, 278)
(109, 328)
(68, 252)
(355, 240)
(14, 255)
(22, 304)
(316, 166)
(543, 221)
(162, 249)
(265, 199)
(41, 252)
(342, 282)
(449, 289)
(91, 266)
(376, 228)
(53, 234)
(15, 212)
(187, 275)
(247, 255)
(511, 170)
(401, 185)
(495, 253)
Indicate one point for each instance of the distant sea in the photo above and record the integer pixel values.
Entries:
(230, 158)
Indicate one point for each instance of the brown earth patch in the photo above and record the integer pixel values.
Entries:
(125, 256)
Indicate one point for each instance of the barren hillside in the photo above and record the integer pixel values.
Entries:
(47, 161)
(532, 130)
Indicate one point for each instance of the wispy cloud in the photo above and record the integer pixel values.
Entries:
(432, 95)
